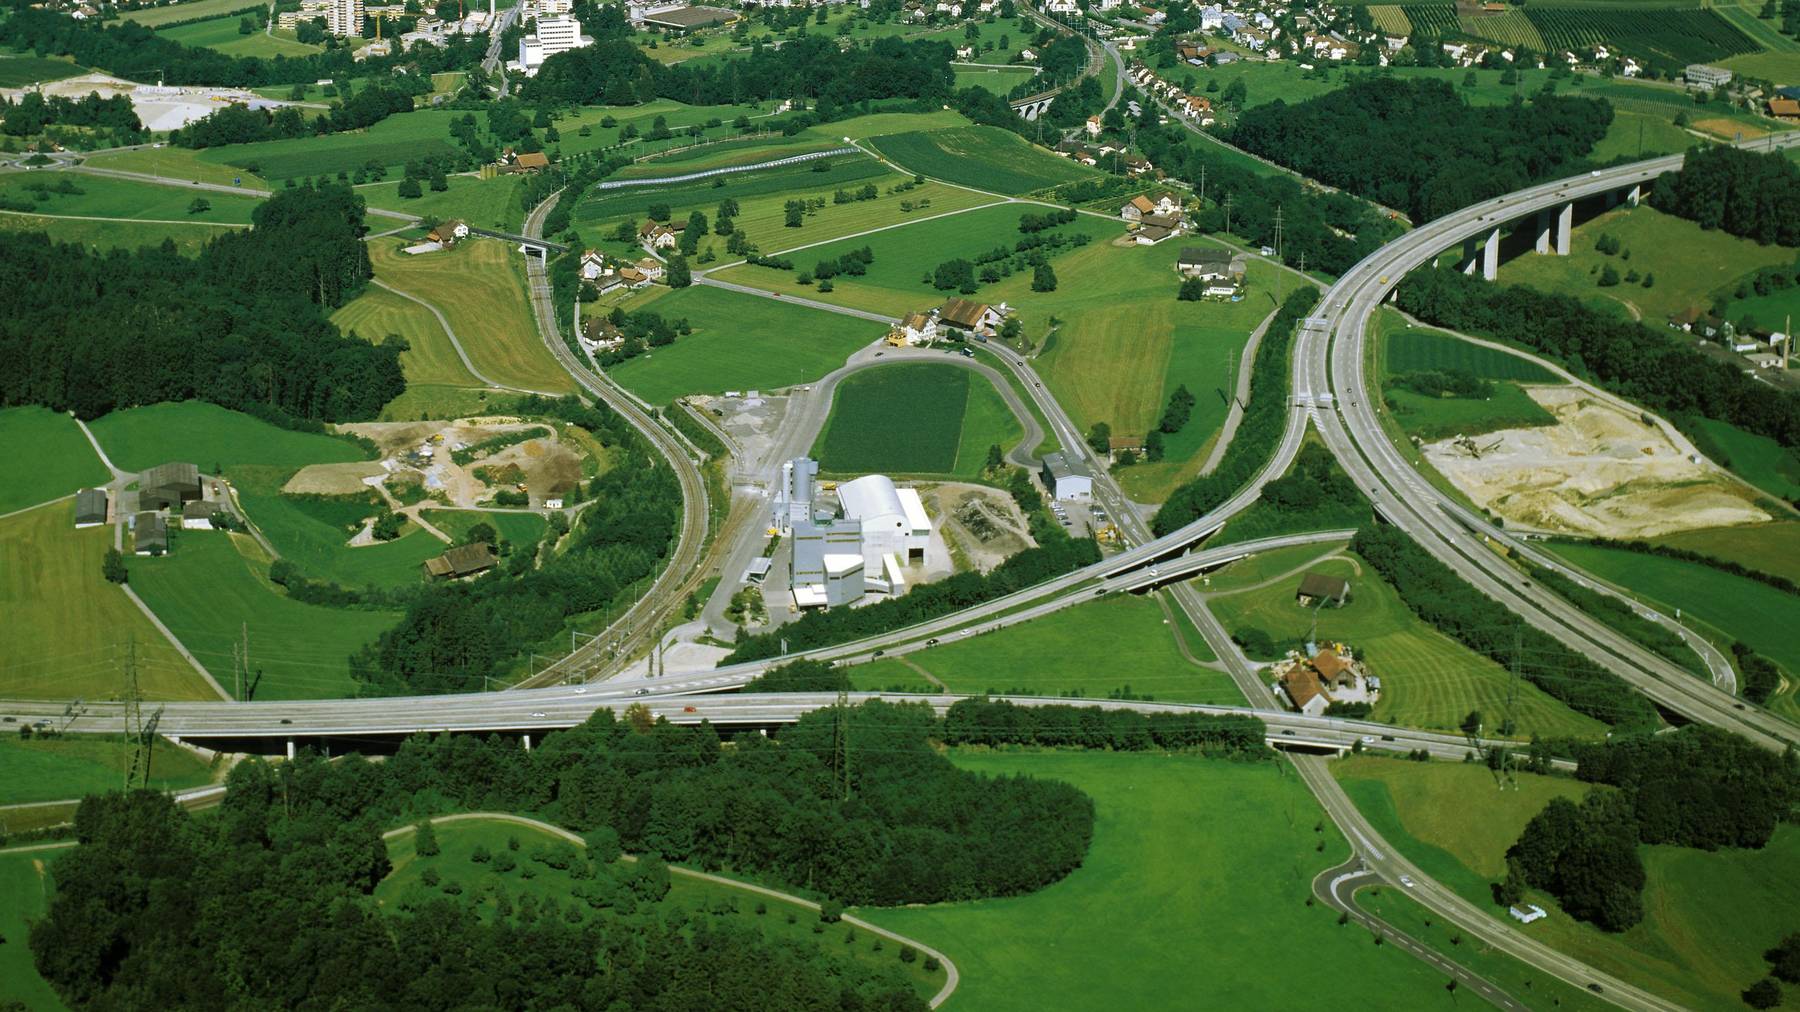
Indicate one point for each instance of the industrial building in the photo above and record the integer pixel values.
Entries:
(553, 36)
(839, 555)
(1066, 479)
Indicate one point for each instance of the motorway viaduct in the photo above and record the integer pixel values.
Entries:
(1552, 227)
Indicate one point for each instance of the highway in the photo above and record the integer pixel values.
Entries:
(1329, 362)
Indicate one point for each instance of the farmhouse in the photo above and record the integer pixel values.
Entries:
(974, 317)
(651, 268)
(197, 516)
(167, 486)
(1150, 235)
(915, 329)
(1205, 264)
(656, 235)
(149, 534)
(1784, 108)
(447, 233)
(90, 507)
(461, 561)
(1065, 478)
(1317, 588)
(1301, 688)
(1116, 445)
(1330, 675)
(1136, 208)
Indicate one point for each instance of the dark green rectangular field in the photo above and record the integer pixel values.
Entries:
(1415, 349)
(987, 158)
(899, 418)
(840, 172)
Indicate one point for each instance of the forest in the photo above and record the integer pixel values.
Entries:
(1416, 145)
(1626, 357)
(1756, 196)
(132, 51)
(243, 325)
(267, 904)
(1698, 787)
(1258, 433)
(1444, 601)
(455, 635)
(240, 124)
(34, 112)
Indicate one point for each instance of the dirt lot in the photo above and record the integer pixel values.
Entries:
(333, 479)
(546, 463)
(984, 523)
(1598, 471)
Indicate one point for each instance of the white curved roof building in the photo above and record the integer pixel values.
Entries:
(894, 521)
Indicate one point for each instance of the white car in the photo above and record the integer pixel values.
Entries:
(1368, 739)
(1406, 880)
(539, 713)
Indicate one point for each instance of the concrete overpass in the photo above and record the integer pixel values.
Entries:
(1552, 226)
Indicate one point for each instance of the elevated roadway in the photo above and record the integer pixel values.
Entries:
(1331, 378)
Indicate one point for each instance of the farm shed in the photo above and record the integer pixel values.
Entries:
(90, 507)
(167, 486)
(461, 561)
(149, 534)
(1318, 587)
(197, 516)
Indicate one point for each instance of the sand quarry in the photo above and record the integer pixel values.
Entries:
(546, 463)
(1599, 471)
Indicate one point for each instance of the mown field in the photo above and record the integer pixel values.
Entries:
(210, 437)
(1000, 81)
(1433, 418)
(726, 154)
(1733, 607)
(54, 769)
(1414, 349)
(222, 34)
(53, 458)
(783, 922)
(389, 143)
(632, 201)
(1772, 548)
(521, 529)
(212, 586)
(178, 165)
(102, 197)
(1428, 680)
(479, 286)
(66, 627)
(25, 887)
(1682, 35)
(430, 358)
(914, 418)
(1115, 644)
(19, 71)
(154, 16)
(488, 203)
(739, 342)
(987, 158)
(1689, 263)
(1186, 852)
(1708, 917)
(1757, 459)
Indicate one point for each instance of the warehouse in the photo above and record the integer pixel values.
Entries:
(167, 486)
(90, 507)
(1066, 479)
(893, 519)
(149, 534)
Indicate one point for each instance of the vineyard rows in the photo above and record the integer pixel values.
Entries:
(1680, 36)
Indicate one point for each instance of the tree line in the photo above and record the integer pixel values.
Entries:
(269, 904)
(1260, 429)
(1417, 145)
(1749, 194)
(243, 325)
(1699, 787)
(1628, 358)
(240, 124)
(1433, 592)
(34, 112)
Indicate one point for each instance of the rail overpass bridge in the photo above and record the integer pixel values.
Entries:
(529, 245)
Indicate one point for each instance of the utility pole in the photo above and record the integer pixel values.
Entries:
(1228, 213)
(1278, 270)
(133, 712)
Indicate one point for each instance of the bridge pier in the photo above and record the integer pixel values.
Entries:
(1553, 229)
(527, 738)
(1629, 196)
(1488, 251)
(290, 749)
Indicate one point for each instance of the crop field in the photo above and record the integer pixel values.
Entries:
(66, 627)
(430, 358)
(739, 342)
(1689, 263)
(1432, 19)
(480, 288)
(914, 418)
(208, 592)
(878, 124)
(389, 143)
(1119, 643)
(488, 203)
(781, 179)
(1737, 608)
(1511, 28)
(1186, 851)
(52, 769)
(1416, 349)
(702, 899)
(51, 456)
(1708, 916)
(1691, 35)
(1428, 680)
(1771, 548)
(25, 890)
(904, 255)
(1390, 18)
(1000, 81)
(221, 34)
(118, 198)
(727, 154)
(19, 71)
(1433, 418)
(210, 436)
(986, 158)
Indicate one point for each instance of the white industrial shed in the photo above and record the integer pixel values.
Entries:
(894, 521)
